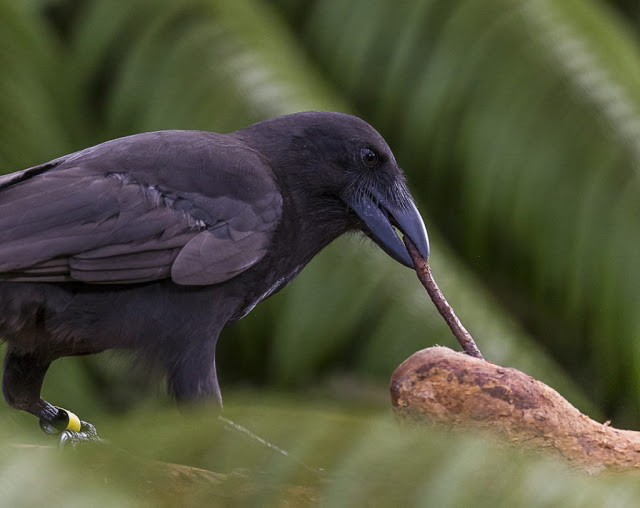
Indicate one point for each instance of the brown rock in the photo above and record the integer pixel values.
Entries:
(439, 386)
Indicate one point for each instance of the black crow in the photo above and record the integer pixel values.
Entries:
(154, 242)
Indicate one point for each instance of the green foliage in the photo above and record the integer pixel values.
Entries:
(194, 64)
(517, 122)
(29, 92)
(126, 67)
(365, 457)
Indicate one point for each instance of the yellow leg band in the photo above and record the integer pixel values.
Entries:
(74, 422)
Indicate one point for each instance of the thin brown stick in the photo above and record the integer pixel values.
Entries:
(424, 274)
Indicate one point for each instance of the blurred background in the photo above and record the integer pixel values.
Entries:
(518, 125)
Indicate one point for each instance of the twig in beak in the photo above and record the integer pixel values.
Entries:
(424, 274)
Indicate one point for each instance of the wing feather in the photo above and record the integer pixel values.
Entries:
(110, 215)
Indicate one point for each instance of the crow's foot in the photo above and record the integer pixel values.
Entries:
(70, 428)
(87, 434)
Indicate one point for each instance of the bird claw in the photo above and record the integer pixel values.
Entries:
(70, 429)
(87, 434)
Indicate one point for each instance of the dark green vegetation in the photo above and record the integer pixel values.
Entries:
(517, 122)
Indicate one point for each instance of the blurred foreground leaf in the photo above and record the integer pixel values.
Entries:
(368, 460)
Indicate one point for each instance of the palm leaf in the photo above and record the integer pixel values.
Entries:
(518, 123)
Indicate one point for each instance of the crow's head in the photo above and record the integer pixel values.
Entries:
(344, 164)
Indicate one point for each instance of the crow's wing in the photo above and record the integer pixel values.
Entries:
(194, 206)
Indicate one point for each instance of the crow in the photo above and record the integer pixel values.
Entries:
(152, 243)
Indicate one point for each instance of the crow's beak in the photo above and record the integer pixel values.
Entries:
(380, 216)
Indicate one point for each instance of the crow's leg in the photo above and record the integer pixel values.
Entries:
(21, 384)
(192, 379)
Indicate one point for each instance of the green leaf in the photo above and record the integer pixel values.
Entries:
(335, 457)
(517, 122)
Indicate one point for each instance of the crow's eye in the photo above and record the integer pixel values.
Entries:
(369, 157)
